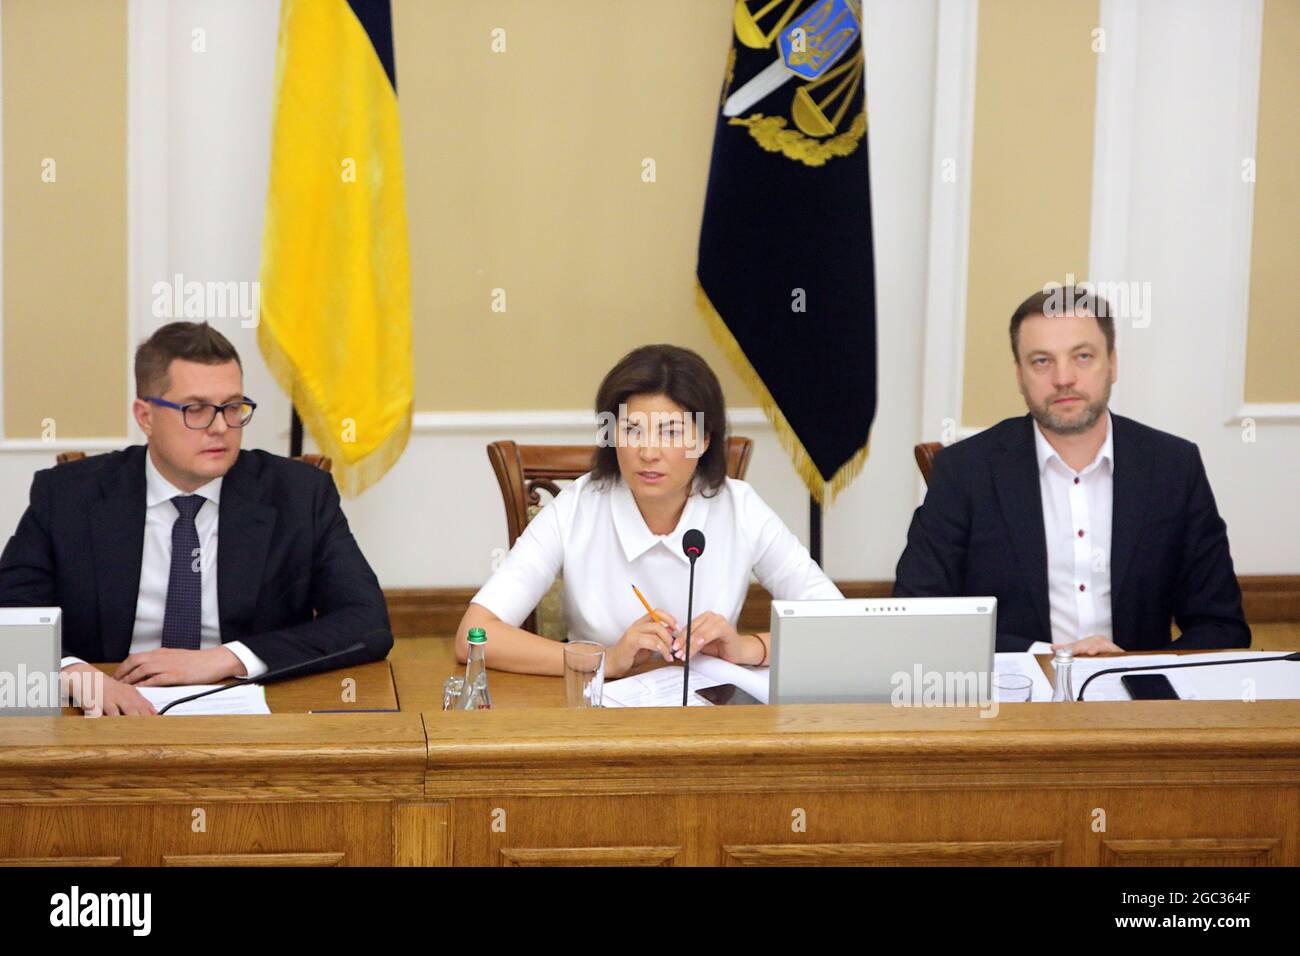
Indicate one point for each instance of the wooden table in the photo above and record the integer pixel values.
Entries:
(292, 789)
(1145, 783)
(532, 782)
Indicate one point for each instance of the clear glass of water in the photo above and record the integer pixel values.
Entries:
(584, 673)
(452, 688)
(1013, 688)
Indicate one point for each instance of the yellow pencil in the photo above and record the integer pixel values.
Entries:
(647, 605)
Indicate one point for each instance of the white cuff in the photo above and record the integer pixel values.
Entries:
(252, 663)
(70, 660)
(1038, 647)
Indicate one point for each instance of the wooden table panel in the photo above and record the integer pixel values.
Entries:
(363, 687)
(288, 789)
(532, 782)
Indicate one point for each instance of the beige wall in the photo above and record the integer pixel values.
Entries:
(1273, 342)
(65, 259)
(1031, 179)
(523, 172)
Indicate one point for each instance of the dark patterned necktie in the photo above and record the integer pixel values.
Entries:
(183, 616)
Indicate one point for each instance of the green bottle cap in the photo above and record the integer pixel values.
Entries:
(477, 635)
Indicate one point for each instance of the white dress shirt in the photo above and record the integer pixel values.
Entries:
(1077, 510)
(595, 534)
(155, 569)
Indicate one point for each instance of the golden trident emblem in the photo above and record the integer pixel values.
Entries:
(808, 49)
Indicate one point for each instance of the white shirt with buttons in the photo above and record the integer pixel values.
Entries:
(594, 533)
(155, 569)
(1077, 510)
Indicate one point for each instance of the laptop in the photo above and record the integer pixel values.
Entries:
(31, 647)
(919, 651)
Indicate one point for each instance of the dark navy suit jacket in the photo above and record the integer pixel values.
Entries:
(291, 582)
(980, 532)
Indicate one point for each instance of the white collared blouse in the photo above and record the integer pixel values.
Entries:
(593, 532)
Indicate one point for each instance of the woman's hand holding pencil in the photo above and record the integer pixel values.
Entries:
(648, 635)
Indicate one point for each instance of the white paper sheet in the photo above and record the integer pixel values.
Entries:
(1025, 664)
(663, 687)
(754, 681)
(245, 699)
(1275, 681)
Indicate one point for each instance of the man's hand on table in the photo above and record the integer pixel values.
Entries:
(111, 698)
(170, 665)
(1091, 646)
(118, 696)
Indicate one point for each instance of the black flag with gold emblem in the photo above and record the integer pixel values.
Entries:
(786, 274)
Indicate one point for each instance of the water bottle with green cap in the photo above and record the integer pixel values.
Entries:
(475, 696)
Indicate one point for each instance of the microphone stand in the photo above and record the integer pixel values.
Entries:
(266, 678)
(1165, 667)
(690, 597)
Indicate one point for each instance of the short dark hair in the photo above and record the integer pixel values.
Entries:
(685, 378)
(192, 341)
(1057, 301)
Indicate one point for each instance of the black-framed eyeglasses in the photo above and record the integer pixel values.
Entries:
(201, 415)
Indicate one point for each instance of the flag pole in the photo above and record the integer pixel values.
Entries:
(295, 434)
(815, 530)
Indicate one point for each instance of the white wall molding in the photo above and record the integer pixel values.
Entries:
(751, 419)
(1240, 201)
(1276, 413)
(949, 247)
(148, 164)
(1112, 155)
(57, 446)
(2, 256)
(1114, 118)
(510, 422)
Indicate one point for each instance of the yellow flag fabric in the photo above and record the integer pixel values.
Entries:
(335, 280)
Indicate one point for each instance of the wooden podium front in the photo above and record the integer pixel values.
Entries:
(1135, 783)
(534, 783)
(289, 789)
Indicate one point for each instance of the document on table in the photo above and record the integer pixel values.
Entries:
(1276, 681)
(1026, 665)
(663, 687)
(245, 699)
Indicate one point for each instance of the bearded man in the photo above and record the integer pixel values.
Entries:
(1093, 531)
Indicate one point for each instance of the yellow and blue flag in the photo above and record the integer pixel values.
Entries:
(335, 322)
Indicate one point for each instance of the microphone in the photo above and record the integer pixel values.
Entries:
(693, 545)
(269, 676)
(1166, 667)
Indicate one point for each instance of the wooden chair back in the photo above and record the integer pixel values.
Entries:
(323, 462)
(524, 471)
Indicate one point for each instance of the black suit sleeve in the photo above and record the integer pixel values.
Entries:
(27, 565)
(345, 594)
(1207, 601)
(934, 562)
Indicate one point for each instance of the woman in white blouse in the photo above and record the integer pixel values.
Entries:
(658, 471)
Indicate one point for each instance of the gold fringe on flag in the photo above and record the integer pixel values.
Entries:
(353, 477)
(823, 490)
(335, 325)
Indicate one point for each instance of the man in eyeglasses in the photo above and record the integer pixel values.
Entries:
(187, 559)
